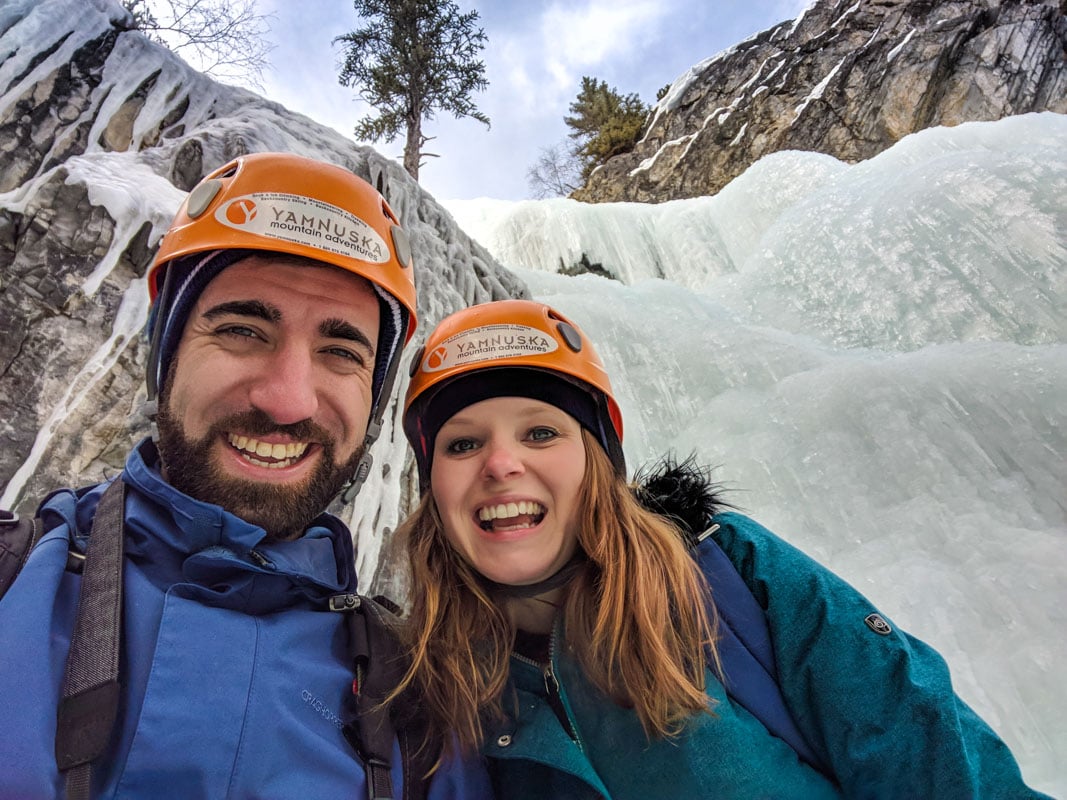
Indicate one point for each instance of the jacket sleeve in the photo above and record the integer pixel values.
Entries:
(879, 705)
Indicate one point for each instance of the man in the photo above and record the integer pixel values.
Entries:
(282, 297)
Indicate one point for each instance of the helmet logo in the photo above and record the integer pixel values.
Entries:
(436, 359)
(241, 212)
(488, 343)
(304, 221)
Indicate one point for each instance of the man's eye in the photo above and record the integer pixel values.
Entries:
(542, 434)
(238, 330)
(347, 355)
(459, 446)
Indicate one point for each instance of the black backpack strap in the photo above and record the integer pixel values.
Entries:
(373, 725)
(18, 535)
(369, 731)
(90, 701)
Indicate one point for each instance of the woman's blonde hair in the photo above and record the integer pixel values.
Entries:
(637, 616)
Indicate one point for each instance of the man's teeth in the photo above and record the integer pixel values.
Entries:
(509, 510)
(282, 455)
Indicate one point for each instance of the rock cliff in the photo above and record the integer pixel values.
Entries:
(848, 78)
(101, 134)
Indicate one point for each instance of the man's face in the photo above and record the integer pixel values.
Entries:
(267, 402)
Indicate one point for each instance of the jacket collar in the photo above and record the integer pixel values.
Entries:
(219, 558)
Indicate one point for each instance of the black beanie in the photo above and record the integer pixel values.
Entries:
(430, 415)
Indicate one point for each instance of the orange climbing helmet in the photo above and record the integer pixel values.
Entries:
(284, 203)
(280, 203)
(508, 348)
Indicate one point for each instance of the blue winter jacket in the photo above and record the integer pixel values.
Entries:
(879, 709)
(233, 674)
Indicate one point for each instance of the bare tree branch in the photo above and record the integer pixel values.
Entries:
(556, 173)
(226, 39)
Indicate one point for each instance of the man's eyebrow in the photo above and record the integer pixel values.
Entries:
(245, 308)
(340, 329)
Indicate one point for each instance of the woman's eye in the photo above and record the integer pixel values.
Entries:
(459, 446)
(542, 434)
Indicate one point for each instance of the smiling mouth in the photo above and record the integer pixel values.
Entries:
(511, 516)
(265, 454)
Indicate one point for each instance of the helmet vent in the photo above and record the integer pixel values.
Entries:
(570, 336)
(389, 212)
(415, 361)
(402, 246)
(201, 197)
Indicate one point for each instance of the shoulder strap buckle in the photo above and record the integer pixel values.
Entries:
(714, 527)
(345, 602)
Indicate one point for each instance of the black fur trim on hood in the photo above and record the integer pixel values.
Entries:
(683, 492)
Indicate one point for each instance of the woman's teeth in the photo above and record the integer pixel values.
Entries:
(507, 515)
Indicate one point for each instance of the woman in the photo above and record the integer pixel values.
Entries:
(568, 631)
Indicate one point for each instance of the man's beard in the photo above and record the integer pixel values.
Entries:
(284, 511)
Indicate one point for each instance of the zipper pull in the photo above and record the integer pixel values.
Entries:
(555, 700)
(259, 558)
(551, 684)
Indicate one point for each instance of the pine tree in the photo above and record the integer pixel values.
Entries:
(412, 58)
(604, 123)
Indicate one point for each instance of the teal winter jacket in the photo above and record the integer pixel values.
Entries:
(878, 708)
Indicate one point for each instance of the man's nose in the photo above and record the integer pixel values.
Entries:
(284, 387)
(502, 460)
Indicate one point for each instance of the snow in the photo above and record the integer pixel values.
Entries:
(904, 43)
(874, 357)
(678, 88)
(129, 320)
(650, 162)
(845, 16)
(740, 135)
(817, 92)
(800, 18)
(132, 194)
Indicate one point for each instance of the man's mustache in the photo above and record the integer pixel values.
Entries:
(258, 423)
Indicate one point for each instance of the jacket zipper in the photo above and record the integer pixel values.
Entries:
(552, 687)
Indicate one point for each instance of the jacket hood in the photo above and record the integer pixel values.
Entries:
(681, 491)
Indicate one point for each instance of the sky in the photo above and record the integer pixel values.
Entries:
(535, 57)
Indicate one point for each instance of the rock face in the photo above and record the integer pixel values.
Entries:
(847, 78)
(101, 134)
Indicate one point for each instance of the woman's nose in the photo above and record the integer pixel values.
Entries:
(502, 460)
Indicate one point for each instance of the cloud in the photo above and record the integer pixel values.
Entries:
(587, 35)
(542, 63)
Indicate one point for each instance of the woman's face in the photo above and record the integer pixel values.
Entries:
(506, 474)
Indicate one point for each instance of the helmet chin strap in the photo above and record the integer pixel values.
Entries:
(366, 461)
(396, 323)
(561, 577)
(150, 410)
